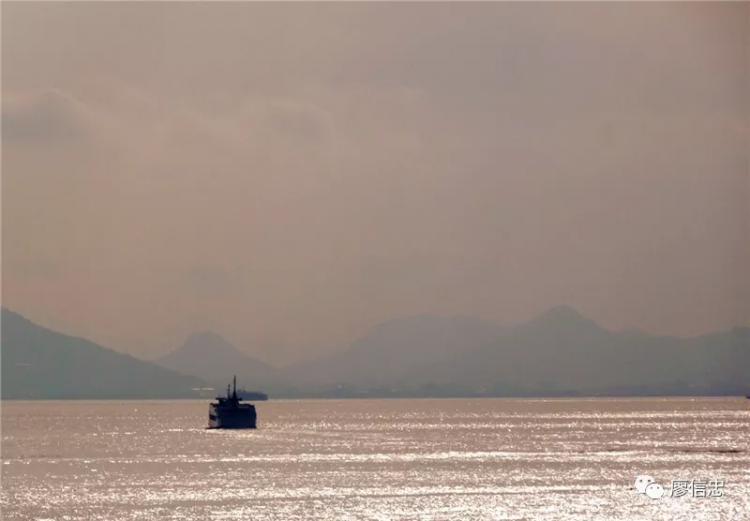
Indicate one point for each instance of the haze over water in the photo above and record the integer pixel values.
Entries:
(290, 174)
(375, 459)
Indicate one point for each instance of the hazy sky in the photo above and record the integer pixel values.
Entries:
(290, 174)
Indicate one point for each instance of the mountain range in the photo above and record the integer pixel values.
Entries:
(564, 353)
(560, 353)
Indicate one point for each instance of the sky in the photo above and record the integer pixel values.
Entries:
(289, 175)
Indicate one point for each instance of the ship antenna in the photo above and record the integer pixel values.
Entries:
(234, 383)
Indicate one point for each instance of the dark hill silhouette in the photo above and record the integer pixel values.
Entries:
(210, 357)
(561, 317)
(564, 352)
(40, 363)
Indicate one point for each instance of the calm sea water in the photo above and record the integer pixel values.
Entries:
(377, 459)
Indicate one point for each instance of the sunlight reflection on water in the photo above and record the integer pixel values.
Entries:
(375, 459)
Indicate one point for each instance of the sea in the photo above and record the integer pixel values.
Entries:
(400, 459)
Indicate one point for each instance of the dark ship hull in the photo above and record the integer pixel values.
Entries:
(229, 413)
(240, 418)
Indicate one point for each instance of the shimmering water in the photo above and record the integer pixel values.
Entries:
(376, 459)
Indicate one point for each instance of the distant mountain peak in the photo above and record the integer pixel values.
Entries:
(563, 311)
(209, 356)
(203, 336)
(206, 341)
(562, 315)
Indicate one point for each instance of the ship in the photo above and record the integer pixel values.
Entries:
(228, 412)
(254, 396)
